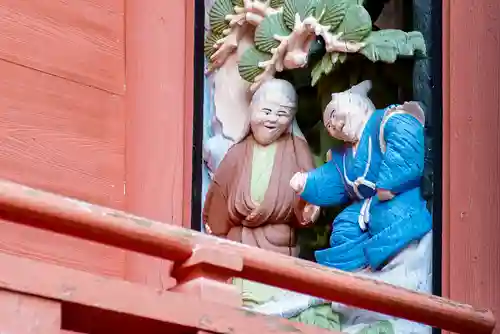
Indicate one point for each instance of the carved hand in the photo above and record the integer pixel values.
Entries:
(384, 195)
(298, 182)
(310, 214)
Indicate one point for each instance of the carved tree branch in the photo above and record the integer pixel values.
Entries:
(257, 11)
(291, 52)
(226, 46)
(293, 49)
(252, 13)
(333, 42)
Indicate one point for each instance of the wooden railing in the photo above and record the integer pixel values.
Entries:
(200, 260)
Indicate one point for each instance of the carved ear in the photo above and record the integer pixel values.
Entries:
(327, 113)
(362, 88)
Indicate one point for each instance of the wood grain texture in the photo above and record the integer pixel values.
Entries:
(445, 237)
(137, 300)
(61, 136)
(66, 138)
(60, 249)
(116, 228)
(159, 130)
(24, 314)
(208, 274)
(80, 40)
(155, 102)
(473, 170)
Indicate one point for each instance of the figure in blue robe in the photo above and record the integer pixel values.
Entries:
(388, 156)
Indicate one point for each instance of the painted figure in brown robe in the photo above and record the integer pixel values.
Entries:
(250, 199)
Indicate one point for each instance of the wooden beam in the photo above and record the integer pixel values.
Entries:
(24, 314)
(72, 286)
(59, 214)
(158, 59)
(67, 216)
(155, 123)
(471, 152)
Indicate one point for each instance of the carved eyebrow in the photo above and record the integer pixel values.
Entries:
(330, 115)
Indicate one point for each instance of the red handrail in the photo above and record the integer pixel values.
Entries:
(47, 211)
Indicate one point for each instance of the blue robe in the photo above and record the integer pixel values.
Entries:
(369, 232)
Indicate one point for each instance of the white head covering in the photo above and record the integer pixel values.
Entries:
(272, 85)
(357, 94)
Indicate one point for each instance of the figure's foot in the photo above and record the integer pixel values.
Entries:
(208, 230)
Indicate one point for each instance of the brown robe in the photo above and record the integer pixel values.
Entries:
(230, 212)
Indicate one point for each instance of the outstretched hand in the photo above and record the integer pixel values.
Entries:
(310, 214)
(384, 195)
(298, 182)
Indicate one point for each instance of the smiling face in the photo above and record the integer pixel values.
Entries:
(273, 109)
(345, 117)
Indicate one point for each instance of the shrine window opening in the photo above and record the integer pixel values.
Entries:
(318, 134)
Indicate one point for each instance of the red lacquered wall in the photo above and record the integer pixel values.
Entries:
(471, 152)
(62, 116)
(159, 100)
(96, 104)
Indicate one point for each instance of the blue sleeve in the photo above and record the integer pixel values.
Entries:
(325, 185)
(403, 162)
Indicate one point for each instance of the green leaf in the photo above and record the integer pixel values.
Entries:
(381, 327)
(217, 15)
(238, 3)
(325, 66)
(331, 12)
(265, 31)
(304, 8)
(316, 73)
(418, 42)
(276, 3)
(327, 63)
(387, 45)
(356, 25)
(208, 46)
(320, 316)
(248, 65)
